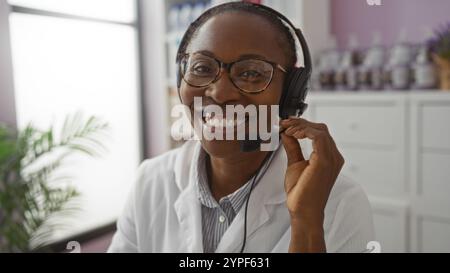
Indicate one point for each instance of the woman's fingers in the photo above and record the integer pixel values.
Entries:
(293, 149)
(286, 123)
(322, 142)
(320, 139)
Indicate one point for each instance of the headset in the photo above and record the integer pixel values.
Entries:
(292, 101)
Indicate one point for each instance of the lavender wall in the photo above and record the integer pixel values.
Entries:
(356, 16)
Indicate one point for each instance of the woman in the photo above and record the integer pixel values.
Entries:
(209, 195)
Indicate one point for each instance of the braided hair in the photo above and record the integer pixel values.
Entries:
(286, 40)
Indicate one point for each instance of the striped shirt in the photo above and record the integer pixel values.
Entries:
(218, 216)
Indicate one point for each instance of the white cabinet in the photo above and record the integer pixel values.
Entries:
(351, 125)
(397, 146)
(378, 171)
(430, 172)
(391, 220)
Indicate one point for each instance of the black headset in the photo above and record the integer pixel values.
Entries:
(296, 84)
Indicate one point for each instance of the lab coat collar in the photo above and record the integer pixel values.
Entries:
(269, 191)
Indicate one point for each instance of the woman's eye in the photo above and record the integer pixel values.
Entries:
(250, 74)
(201, 69)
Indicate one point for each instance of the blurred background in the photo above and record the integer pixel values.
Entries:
(381, 80)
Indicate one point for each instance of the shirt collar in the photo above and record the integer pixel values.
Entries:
(205, 196)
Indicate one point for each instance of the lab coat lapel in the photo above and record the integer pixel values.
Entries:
(187, 206)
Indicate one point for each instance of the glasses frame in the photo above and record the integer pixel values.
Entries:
(227, 67)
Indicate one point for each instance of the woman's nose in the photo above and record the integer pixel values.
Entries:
(223, 90)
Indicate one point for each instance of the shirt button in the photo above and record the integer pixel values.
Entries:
(221, 218)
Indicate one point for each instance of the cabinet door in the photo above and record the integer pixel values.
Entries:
(365, 125)
(430, 171)
(430, 225)
(380, 172)
(390, 217)
(435, 123)
(370, 133)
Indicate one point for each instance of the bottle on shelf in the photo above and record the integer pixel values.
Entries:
(398, 68)
(328, 65)
(371, 70)
(424, 71)
(346, 77)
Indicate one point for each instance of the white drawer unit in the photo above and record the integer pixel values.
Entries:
(435, 125)
(430, 224)
(391, 219)
(430, 172)
(434, 179)
(397, 146)
(379, 171)
(434, 235)
(350, 126)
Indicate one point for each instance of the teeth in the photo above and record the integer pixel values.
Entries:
(221, 122)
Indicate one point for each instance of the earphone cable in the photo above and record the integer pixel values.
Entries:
(257, 174)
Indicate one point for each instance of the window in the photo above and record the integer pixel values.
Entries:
(82, 55)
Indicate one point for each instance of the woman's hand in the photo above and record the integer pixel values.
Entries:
(308, 183)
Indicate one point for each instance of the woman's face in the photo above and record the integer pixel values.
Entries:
(229, 37)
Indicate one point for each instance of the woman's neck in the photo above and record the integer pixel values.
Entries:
(226, 175)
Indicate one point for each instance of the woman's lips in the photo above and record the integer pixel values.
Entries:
(212, 121)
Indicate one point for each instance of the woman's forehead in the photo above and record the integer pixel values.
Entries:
(231, 35)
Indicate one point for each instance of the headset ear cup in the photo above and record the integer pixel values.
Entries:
(178, 75)
(284, 100)
(294, 93)
(304, 80)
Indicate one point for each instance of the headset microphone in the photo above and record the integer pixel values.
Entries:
(249, 145)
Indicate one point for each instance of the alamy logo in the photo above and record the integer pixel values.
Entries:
(373, 2)
(74, 246)
(373, 247)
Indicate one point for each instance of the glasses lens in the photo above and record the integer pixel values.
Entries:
(199, 70)
(251, 75)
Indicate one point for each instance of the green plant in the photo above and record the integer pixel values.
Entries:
(35, 194)
(440, 44)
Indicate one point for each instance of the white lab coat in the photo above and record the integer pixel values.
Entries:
(163, 213)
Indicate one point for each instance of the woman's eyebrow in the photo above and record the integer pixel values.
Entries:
(252, 56)
(206, 52)
(241, 57)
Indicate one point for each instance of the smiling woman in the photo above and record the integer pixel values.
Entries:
(215, 196)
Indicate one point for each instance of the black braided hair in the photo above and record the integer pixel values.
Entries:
(286, 40)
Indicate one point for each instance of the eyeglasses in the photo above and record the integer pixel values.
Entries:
(248, 75)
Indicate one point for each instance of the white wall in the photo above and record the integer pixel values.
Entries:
(155, 92)
(7, 108)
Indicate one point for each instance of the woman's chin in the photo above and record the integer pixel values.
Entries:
(221, 148)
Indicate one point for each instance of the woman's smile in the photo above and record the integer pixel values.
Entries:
(215, 120)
